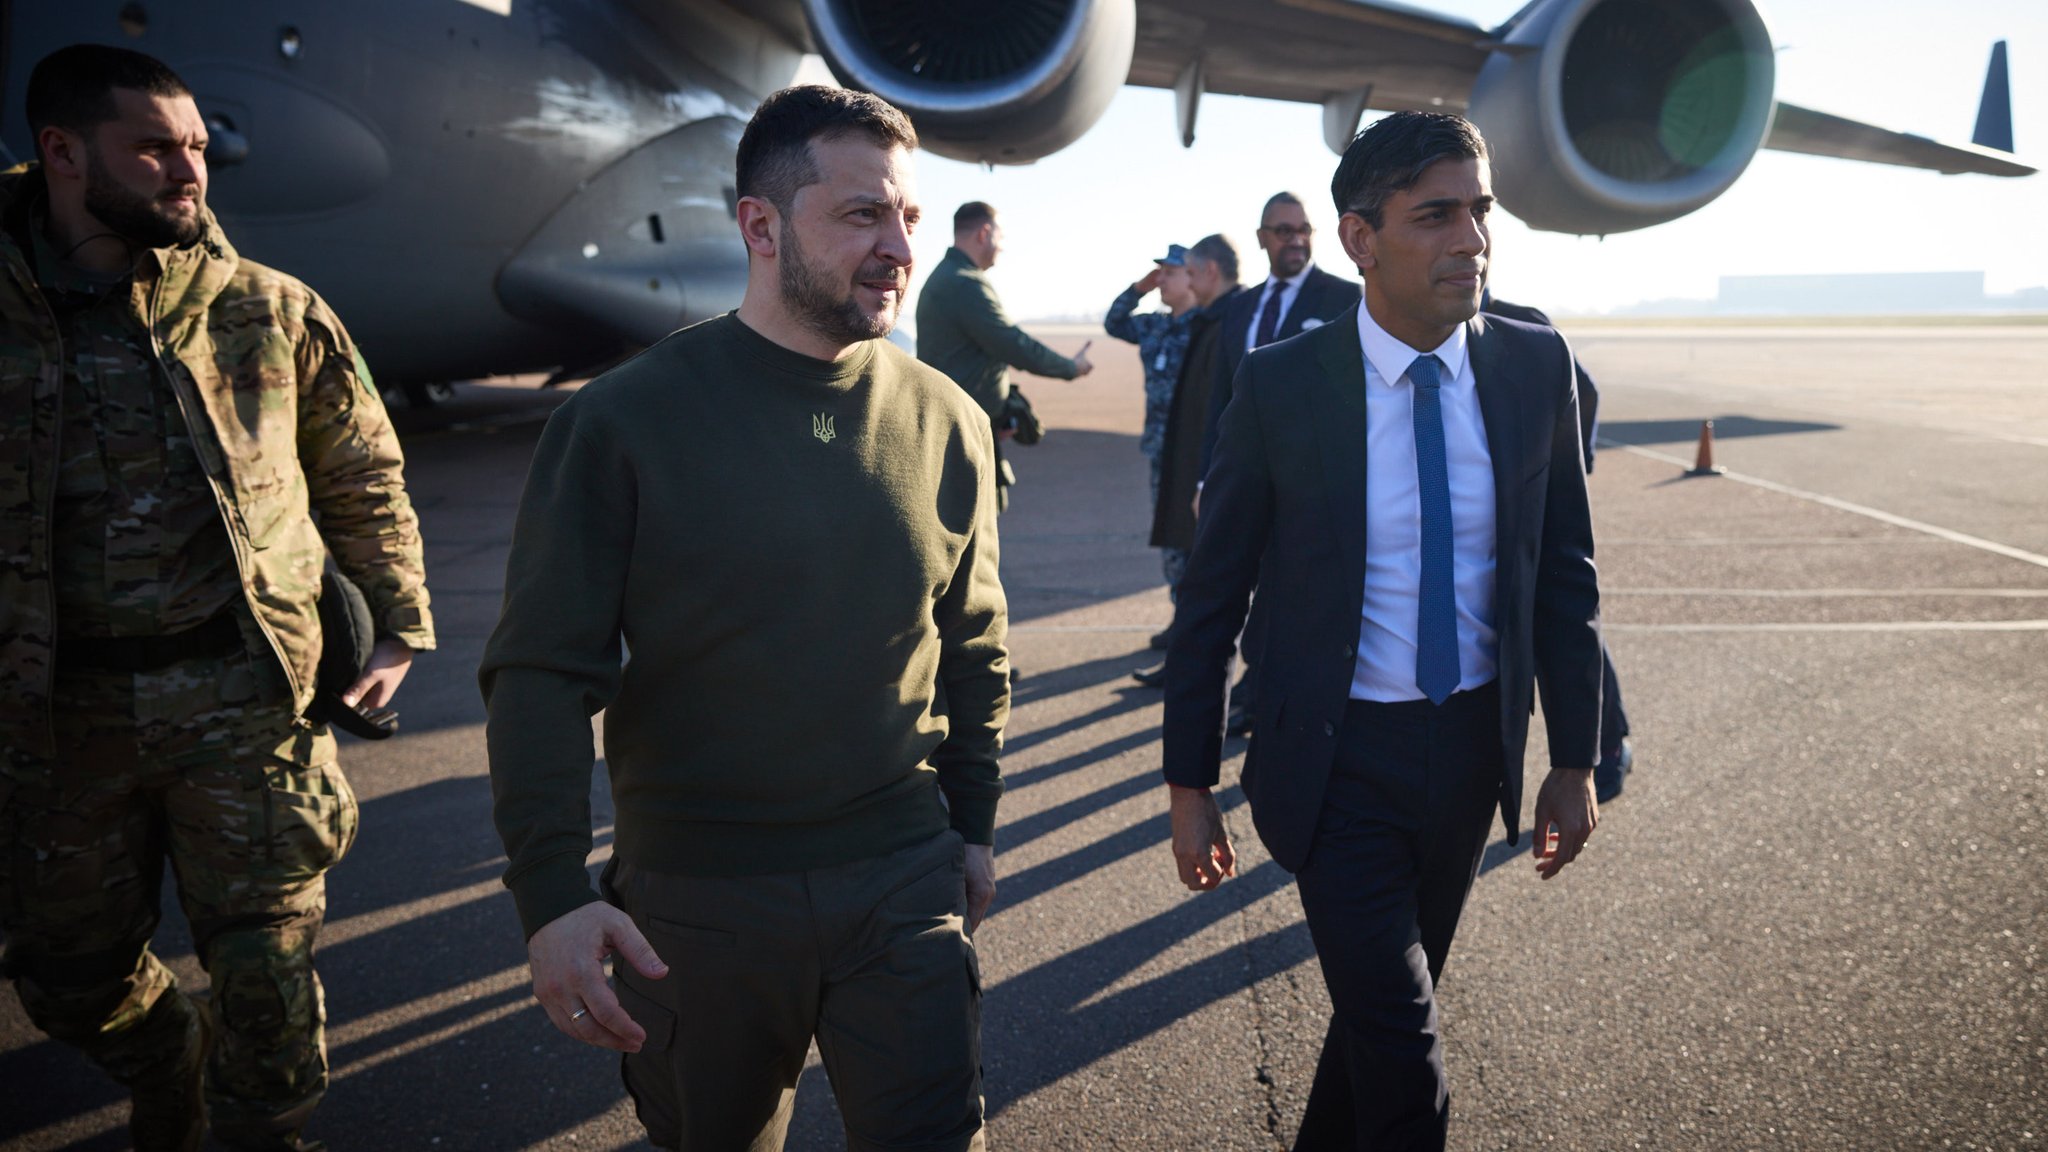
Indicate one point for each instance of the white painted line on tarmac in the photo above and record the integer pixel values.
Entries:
(1088, 627)
(1865, 626)
(1869, 626)
(1750, 541)
(1839, 505)
(1836, 593)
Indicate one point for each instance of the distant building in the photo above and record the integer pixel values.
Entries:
(1881, 293)
(1849, 294)
(2024, 300)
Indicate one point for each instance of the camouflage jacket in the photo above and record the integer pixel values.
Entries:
(287, 425)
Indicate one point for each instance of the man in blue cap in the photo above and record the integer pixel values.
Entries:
(1162, 340)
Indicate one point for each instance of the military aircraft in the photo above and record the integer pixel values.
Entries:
(504, 186)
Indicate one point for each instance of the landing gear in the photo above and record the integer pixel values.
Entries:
(425, 396)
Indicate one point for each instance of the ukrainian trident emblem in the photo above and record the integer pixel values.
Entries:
(821, 427)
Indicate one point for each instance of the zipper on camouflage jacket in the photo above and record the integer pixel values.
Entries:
(208, 446)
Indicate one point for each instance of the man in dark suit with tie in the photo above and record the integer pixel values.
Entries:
(1297, 297)
(1410, 477)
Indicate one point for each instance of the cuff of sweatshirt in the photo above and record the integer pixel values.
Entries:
(550, 890)
(974, 817)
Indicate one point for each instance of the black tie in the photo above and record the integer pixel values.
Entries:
(1269, 316)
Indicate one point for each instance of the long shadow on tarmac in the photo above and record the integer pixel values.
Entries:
(1041, 686)
(1130, 701)
(1064, 1037)
(1686, 431)
(1029, 776)
(1019, 887)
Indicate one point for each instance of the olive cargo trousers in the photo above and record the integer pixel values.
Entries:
(872, 958)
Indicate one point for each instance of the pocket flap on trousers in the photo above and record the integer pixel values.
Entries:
(659, 1022)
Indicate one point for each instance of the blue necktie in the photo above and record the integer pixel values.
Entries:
(1436, 632)
(1269, 317)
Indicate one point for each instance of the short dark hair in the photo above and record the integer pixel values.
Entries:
(73, 88)
(1393, 153)
(1218, 250)
(972, 215)
(775, 158)
(1277, 199)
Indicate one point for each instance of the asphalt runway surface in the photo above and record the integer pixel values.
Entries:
(1814, 920)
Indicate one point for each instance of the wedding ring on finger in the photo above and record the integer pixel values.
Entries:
(578, 1014)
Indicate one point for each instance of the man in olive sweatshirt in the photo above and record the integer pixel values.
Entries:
(792, 526)
(963, 331)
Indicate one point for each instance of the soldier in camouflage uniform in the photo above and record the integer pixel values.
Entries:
(172, 420)
(1162, 340)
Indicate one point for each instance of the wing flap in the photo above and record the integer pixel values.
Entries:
(1796, 129)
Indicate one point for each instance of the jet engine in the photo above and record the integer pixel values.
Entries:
(995, 83)
(1612, 115)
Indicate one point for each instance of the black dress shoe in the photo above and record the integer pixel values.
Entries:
(1151, 677)
(1238, 722)
(1162, 638)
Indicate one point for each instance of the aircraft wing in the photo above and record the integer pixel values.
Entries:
(1312, 50)
(1348, 55)
(1797, 129)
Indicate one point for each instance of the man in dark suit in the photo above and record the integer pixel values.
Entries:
(1405, 488)
(1297, 297)
(1617, 757)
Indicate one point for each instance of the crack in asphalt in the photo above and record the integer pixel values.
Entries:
(1263, 1068)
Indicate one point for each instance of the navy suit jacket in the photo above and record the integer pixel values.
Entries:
(1288, 488)
(1323, 298)
(1589, 396)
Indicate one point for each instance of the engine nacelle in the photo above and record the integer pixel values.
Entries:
(995, 83)
(1612, 115)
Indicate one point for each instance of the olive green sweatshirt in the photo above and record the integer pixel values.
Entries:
(777, 577)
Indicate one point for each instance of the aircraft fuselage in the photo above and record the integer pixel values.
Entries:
(438, 169)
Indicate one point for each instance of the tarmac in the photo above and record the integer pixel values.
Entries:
(1815, 919)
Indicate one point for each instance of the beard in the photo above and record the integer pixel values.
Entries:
(141, 220)
(831, 310)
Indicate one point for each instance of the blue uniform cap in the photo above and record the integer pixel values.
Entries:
(1176, 257)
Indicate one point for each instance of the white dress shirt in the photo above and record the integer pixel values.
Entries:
(1288, 289)
(1385, 669)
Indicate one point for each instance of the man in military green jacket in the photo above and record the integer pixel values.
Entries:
(963, 331)
(172, 420)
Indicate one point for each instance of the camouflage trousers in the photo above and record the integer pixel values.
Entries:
(185, 764)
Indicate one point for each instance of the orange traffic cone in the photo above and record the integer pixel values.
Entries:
(1703, 463)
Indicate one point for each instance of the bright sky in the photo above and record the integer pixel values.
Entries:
(1083, 223)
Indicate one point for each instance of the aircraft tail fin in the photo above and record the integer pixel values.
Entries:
(1994, 111)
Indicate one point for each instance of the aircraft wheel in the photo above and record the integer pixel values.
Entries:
(424, 396)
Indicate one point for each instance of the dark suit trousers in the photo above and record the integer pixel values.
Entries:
(1398, 844)
(1613, 721)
